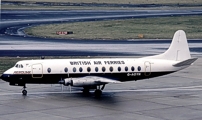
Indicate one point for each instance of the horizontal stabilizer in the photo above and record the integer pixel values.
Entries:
(185, 62)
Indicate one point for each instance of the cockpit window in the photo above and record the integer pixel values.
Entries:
(19, 66)
(16, 65)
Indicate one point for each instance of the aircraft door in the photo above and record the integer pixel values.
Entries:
(37, 71)
(147, 65)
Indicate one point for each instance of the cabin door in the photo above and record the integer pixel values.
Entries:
(147, 65)
(37, 71)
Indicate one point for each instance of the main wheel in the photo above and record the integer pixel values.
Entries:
(24, 92)
(98, 93)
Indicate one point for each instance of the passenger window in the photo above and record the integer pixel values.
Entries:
(119, 69)
(126, 68)
(66, 69)
(74, 69)
(132, 68)
(88, 69)
(103, 69)
(21, 66)
(80, 69)
(139, 68)
(49, 70)
(96, 69)
(111, 69)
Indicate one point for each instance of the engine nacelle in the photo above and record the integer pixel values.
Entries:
(82, 82)
(79, 82)
(66, 82)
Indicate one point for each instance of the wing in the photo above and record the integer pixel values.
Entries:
(87, 81)
(99, 80)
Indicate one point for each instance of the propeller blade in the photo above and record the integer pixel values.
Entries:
(61, 87)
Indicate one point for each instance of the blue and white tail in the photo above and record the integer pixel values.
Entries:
(178, 50)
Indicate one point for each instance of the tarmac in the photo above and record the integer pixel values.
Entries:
(177, 96)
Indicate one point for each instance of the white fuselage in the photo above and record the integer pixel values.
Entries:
(119, 69)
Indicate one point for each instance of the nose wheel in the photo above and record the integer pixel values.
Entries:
(24, 92)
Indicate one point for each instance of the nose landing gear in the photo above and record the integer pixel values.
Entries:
(24, 92)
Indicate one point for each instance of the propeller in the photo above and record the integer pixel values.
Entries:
(70, 85)
(66, 83)
(70, 88)
(62, 87)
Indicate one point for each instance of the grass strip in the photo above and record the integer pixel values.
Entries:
(137, 28)
(99, 4)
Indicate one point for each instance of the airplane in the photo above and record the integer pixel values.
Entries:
(95, 73)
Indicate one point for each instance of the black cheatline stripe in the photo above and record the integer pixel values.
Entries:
(54, 78)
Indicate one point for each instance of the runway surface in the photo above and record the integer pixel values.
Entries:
(172, 97)
(13, 41)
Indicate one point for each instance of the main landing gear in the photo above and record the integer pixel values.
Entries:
(98, 91)
(24, 92)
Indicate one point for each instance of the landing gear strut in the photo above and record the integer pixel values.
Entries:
(24, 92)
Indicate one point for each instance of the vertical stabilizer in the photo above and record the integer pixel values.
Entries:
(178, 50)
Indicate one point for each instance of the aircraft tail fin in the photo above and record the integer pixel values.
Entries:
(178, 50)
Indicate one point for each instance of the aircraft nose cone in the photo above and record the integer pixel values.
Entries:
(3, 77)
